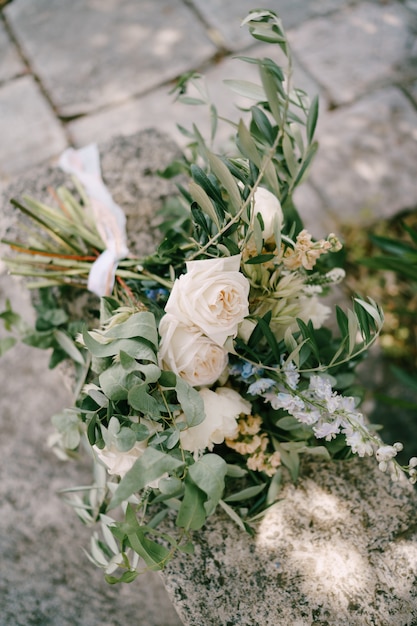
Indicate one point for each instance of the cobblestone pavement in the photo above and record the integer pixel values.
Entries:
(82, 71)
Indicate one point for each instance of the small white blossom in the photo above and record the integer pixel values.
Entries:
(260, 386)
(327, 430)
(385, 453)
(307, 417)
(321, 387)
(359, 445)
(292, 376)
(336, 275)
(285, 401)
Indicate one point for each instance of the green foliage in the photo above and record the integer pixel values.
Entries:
(127, 407)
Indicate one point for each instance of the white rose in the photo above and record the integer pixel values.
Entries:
(222, 408)
(118, 462)
(212, 295)
(188, 353)
(312, 309)
(269, 207)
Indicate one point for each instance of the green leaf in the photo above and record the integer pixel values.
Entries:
(290, 458)
(312, 119)
(232, 514)
(247, 145)
(140, 324)
(246, 494)
(270, 86)
(263, 124)
(140, 400)
(192, 513)
(288, 423)
(134, 347)
(125, 439)
(247, 89)
(222, 172)
(6, 344)
(150, 466)
(68, 346)
(208, 474)
(115, 382)
(67, 424)
(191, 402)
(200, 196)
(289, 155)
(274, 487)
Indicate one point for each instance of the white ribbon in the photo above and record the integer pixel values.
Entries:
(109, 217)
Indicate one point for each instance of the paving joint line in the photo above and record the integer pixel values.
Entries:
(214, 35)
(31, 72)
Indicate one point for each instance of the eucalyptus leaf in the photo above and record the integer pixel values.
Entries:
(140, 325)
(134, 347)
(191, 402)
(208, 474)
(140, 400)
(115, 382)
(192, 513)
(150, 466)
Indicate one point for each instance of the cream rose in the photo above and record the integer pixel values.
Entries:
(120, 462)
(185, 351)
(269, 207)
(222, 408)
(212, 295)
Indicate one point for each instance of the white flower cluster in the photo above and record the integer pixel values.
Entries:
(330, 414)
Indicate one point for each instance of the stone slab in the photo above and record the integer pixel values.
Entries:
(10, 63)
(45, 579)
(225, 17)
(365, 166)
(92, 54)
(30, 134)
(159, 110)
(338, 549)
(355, 49)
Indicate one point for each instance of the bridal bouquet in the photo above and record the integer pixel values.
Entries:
(210, 371)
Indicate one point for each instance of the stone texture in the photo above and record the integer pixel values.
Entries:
(365, 168)
(339, 548)
(44, 577)
(29, 131)
(10, 62)
(104, 52)
(129, 166)
(158, 108)
(355, 49)
(226, 16)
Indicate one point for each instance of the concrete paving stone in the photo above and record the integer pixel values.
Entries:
(365, 166)
(45, 578)
(30, 134)
(159, 110)
(89, 54)
(10, 63)
(354, 49)
(225, 17)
